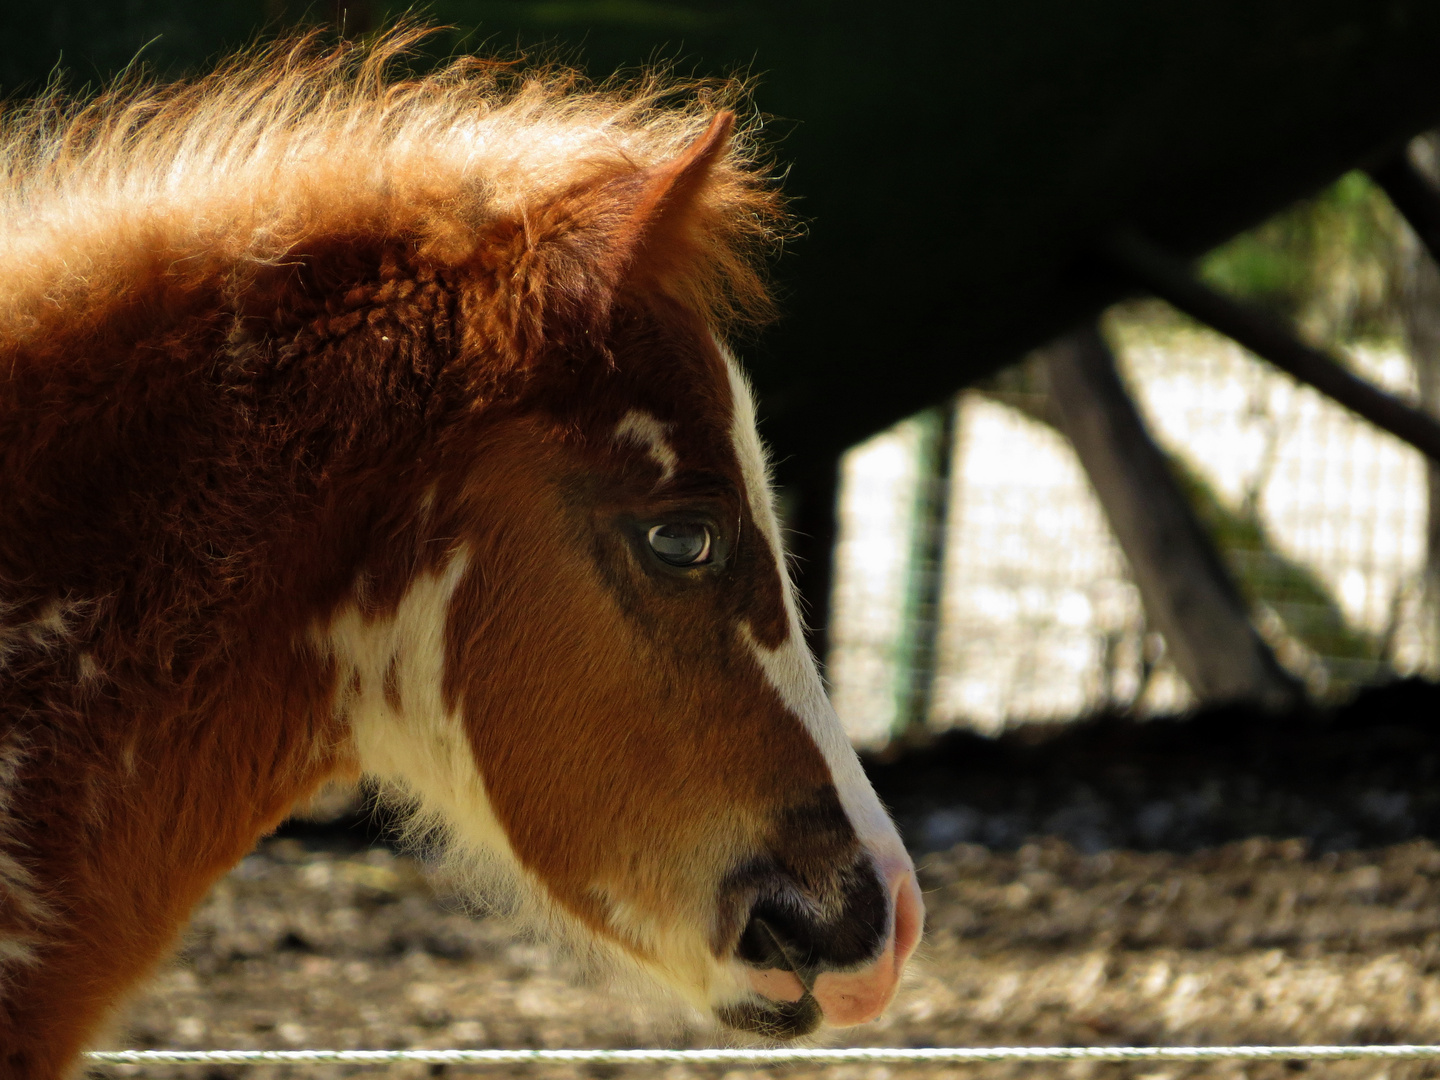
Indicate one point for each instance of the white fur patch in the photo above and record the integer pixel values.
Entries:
(17, 884)
(679, 959)
(789, 667)
(648, 431)
(390, 673)
(46, 632)
(390, 676)
(87, 670)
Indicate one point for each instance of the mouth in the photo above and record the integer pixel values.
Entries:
(779, 1020)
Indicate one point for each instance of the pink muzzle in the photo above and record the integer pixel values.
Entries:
(847, 998)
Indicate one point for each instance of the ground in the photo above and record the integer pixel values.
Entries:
(1255, 941)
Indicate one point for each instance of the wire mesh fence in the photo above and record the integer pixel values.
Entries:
(1322, 519)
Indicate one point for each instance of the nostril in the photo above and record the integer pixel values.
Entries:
(758, 946)
(769, 941)
(777, 970)
(788, 929)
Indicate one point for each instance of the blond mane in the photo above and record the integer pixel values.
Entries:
(294, 142)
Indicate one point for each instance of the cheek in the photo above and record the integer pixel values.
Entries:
(630, 760)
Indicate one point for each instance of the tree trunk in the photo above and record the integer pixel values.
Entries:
(1187, 593)
(1422, 334)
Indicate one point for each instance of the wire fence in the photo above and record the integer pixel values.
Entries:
(761, 1058)
(1037, 616)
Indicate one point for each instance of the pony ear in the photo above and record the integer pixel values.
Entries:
(656, 236)
(642, 229)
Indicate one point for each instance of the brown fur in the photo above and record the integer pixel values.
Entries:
(279, 342)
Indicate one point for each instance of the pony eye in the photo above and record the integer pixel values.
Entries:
(681, 544)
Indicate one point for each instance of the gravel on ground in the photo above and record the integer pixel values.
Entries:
(1253, 942)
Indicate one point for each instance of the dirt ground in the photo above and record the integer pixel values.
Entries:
(1252, 942)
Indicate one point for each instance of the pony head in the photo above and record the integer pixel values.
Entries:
(480, 508)
(601, 692)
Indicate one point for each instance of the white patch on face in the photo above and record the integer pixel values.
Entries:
(389, 675)
(789, 666)
(647, 431)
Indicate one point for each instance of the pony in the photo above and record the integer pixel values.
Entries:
(357, 424)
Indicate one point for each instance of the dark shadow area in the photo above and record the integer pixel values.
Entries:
(360, 825)
(1362, 776)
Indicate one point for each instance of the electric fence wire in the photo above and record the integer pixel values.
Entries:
(771, 1057)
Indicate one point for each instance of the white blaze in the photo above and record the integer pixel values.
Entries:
(789, 666)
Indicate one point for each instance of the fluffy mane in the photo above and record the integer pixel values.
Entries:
(294, 142)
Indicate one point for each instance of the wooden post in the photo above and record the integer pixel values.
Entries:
(1188, 595)
(925, 588)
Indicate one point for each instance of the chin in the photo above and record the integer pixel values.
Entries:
(776, 1020)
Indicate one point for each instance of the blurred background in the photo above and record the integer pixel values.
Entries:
(1137, 630)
